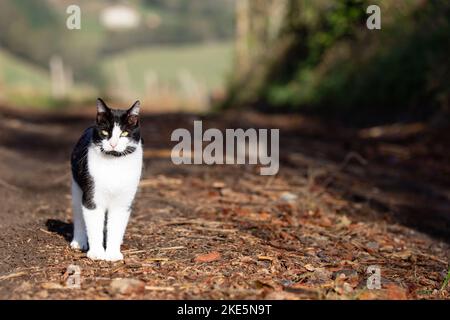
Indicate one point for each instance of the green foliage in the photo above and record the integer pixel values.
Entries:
(22, 23)
(196, 19)
(16, 72)
(336, 67)
(36, 31)
(446, 280)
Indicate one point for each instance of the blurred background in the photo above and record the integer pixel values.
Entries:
(173, 54)
(283, 55)
(318, 56)
(274, 55)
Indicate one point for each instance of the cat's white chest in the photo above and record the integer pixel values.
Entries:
(115, 177)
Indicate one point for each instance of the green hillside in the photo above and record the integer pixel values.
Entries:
(207, 63)
(17, 73)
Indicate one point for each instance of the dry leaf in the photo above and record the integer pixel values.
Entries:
(394, 292)
(267, 258)
(309, 267)
(209, 257)
(404, 255)
(344, 222)
(51, 285)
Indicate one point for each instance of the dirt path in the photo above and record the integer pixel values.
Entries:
(344, 200)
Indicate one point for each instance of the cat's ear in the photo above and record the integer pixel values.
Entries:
(101, 106)
(134, 110)
(133, 113)
(102, 109)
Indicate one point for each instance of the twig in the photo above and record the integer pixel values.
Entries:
(153, 288)
(215, 229)
(171, 248)
(12, 275)
(9, 186)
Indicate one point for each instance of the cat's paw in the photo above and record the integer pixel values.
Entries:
(79, 245)
(96, 254)
(113, 255)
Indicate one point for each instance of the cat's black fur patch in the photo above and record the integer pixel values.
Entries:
(80, 171)
(128, 150)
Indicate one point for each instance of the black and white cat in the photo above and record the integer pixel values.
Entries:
(106, 169)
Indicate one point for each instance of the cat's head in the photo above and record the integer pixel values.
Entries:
(117, 131)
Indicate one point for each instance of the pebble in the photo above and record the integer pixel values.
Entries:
(288, 197)
(127, 286)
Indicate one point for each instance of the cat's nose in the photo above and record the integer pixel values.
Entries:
(113, 144)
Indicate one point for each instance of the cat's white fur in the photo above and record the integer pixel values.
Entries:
(116, 181)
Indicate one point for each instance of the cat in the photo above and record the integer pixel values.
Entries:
(106, 170)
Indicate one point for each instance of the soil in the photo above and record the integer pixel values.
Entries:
(344, 200)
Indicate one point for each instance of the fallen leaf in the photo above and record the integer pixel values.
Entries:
(209, 257)
(368, 295)
(387, 248)
(344, 222)
(404, 255)
(395, 292)
(309, 267)
(51, 285)
(305, 291)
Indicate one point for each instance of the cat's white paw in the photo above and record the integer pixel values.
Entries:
(113, 256)
(79, 245)
(96, 254)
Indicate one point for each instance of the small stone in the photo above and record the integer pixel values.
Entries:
(387, 248)
(347, 287)
(373, 246)
(43, 294)
(127, 286)
(218, 185)
(288, 197)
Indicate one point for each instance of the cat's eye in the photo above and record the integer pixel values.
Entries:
(124, 134)
(104, 132)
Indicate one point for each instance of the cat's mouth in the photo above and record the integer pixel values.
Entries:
(128, 150)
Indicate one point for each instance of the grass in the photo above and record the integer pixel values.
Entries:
(446, 280)
(25, 84)
(207, 63)
(20, 74)
(22, 83)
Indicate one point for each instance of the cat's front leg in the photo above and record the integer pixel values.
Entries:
(95, 221)
(116, 225)
(79, 240)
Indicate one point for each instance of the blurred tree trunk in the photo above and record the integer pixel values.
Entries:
(242, 33)
(259, 24)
